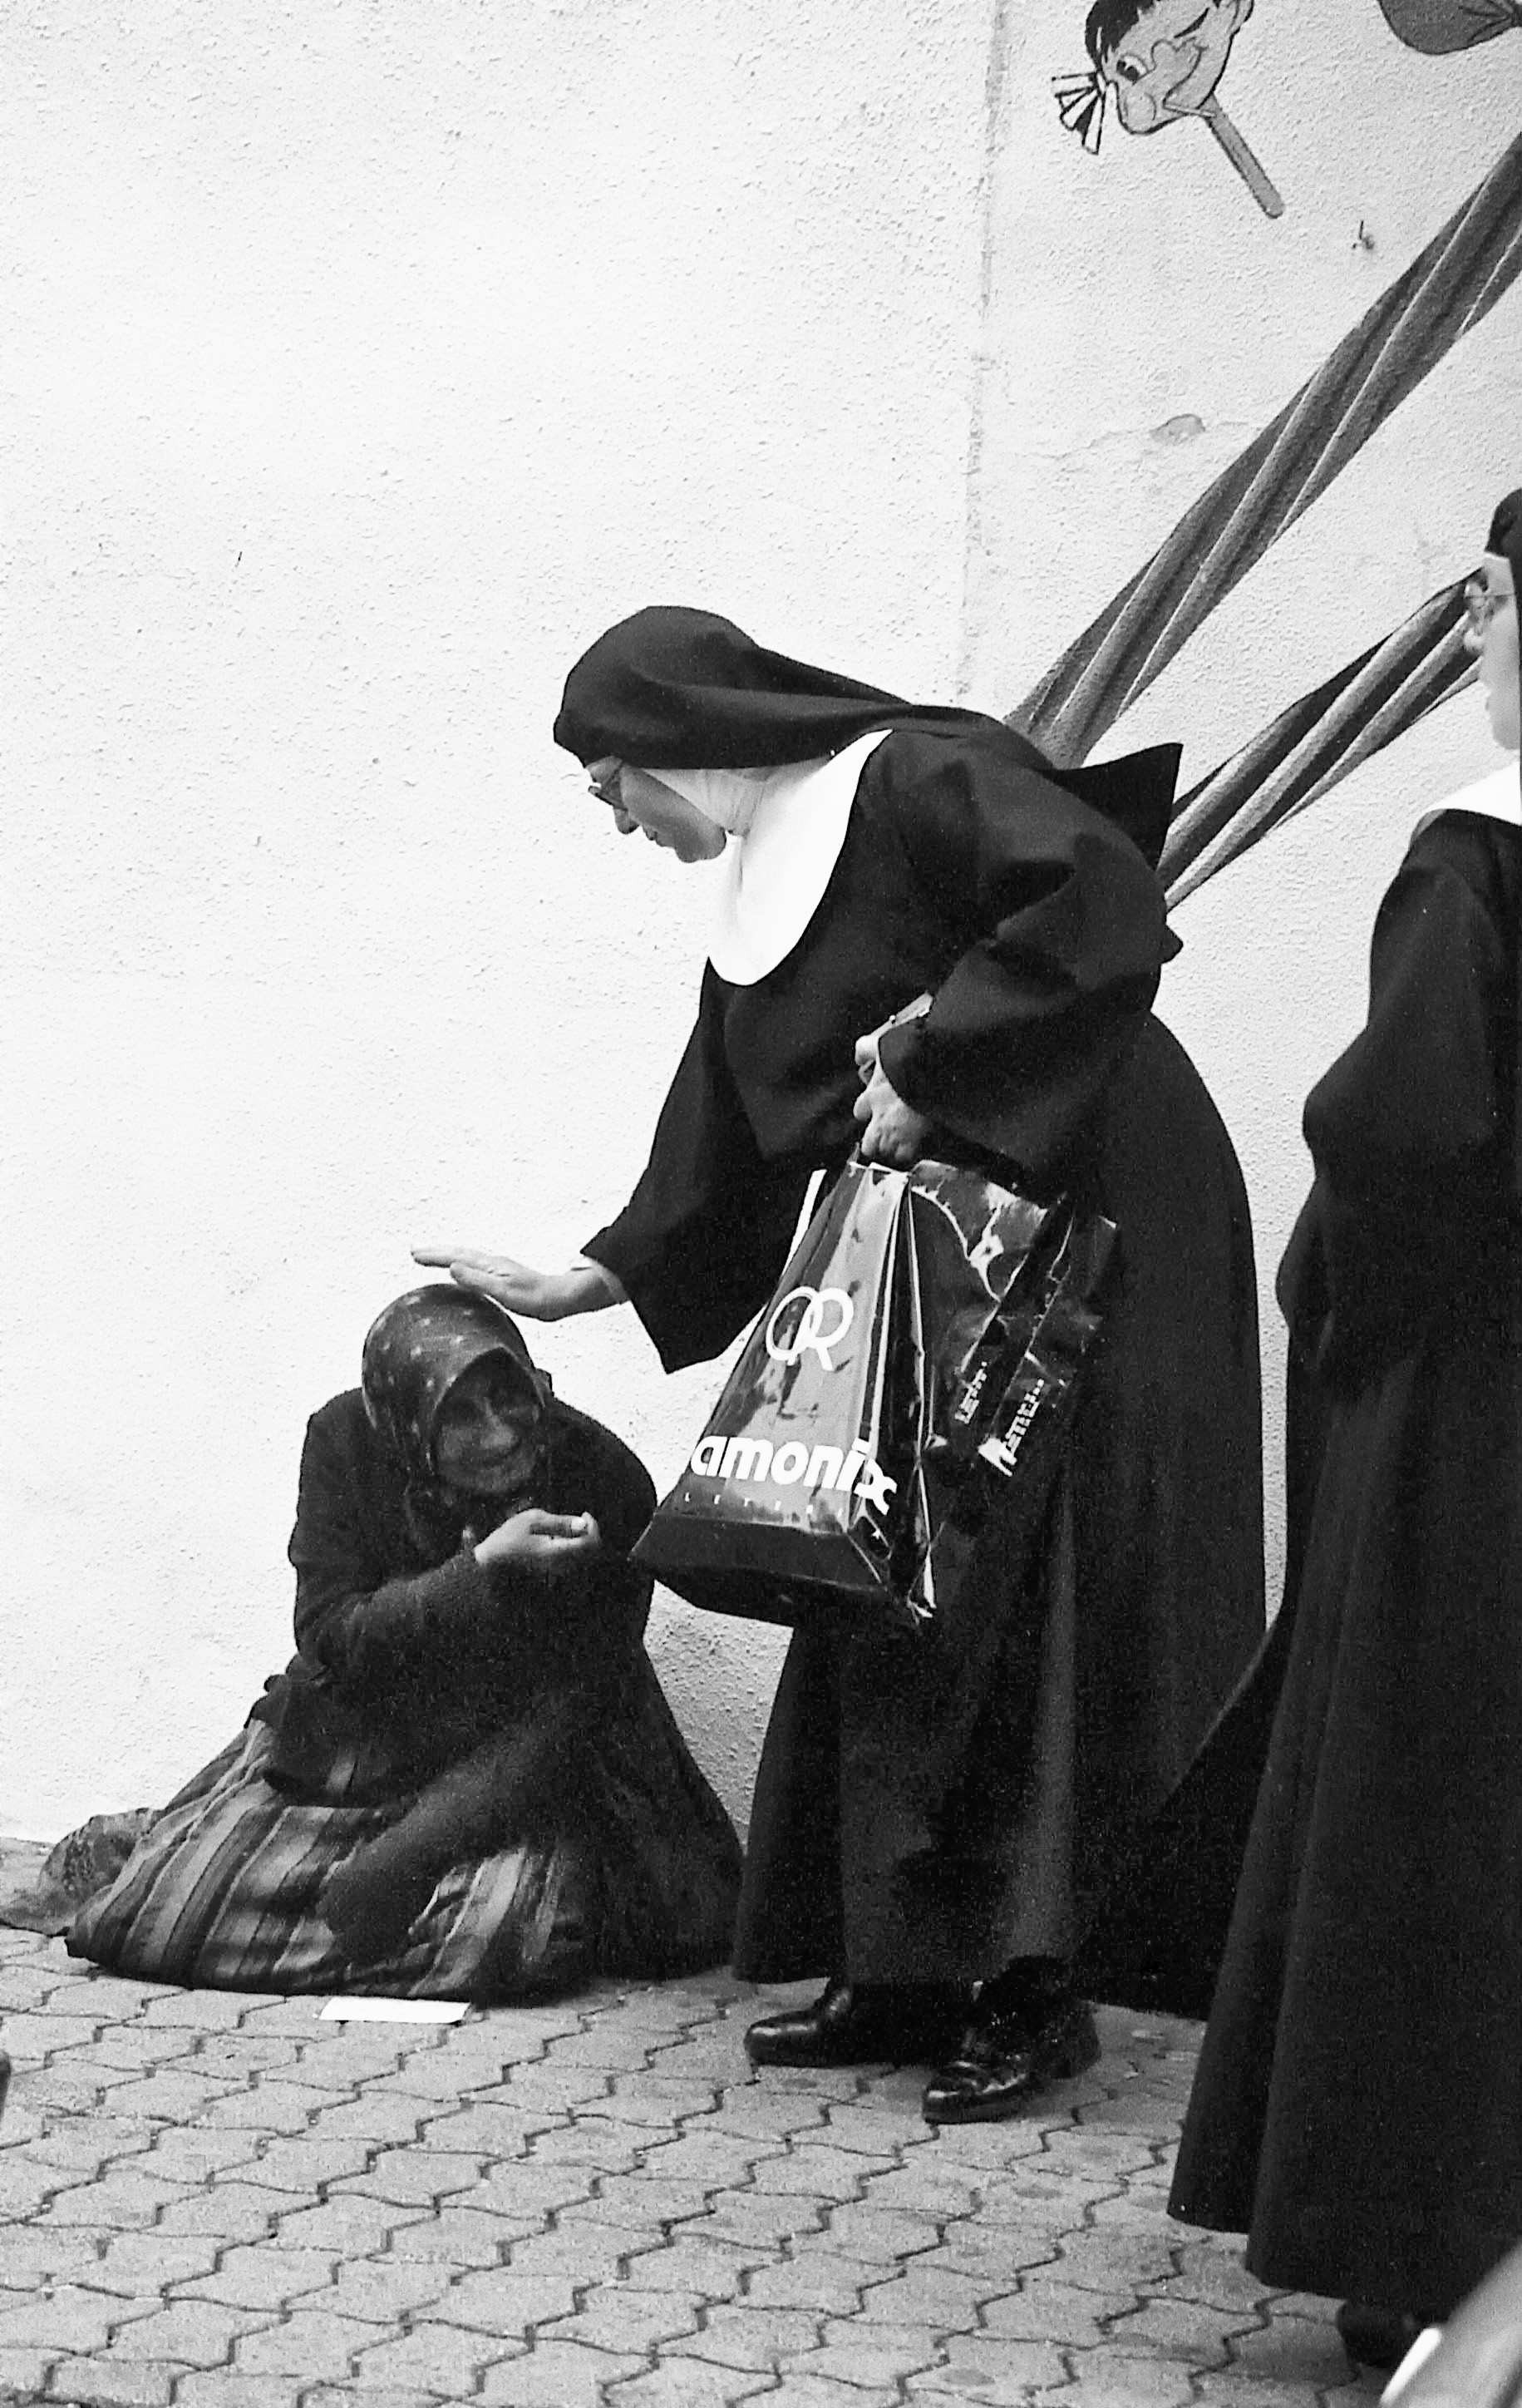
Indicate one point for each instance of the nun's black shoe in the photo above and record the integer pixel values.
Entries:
(1374, 2336)
(1007, 2057)
(854, 2022)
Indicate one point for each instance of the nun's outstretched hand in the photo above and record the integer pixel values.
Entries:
(539, 1296)
(891, 1130)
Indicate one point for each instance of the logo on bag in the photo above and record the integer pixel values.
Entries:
(851, 1470)
(824, 1307)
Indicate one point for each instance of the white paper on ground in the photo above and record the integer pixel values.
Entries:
(1411, 2365)
(394, 2010)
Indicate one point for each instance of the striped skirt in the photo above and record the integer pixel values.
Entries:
(221, 1893)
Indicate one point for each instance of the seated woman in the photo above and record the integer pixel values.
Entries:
(467, 1783)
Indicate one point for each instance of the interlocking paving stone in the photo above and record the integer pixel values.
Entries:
(216, 2202)
(555, 2374)
(1291, 2349)
(528, 2187)
(407, 2176)
(68, 2318)
(1101, 2258)
(641, 2199)
(979, 2367)
(944, 2303)
(446, 2359)
(714, 2268)
(139, 2265)
(1108, 2380)
(225, 2387)
(925, 2186)
(859, 2230)
(191, 2155)
(590, 2141)
(765, 2218)
(584, 2253)
(95, 2383)
(612, 2317)
(813, 2171)
(352, 2227)
(232, 2210)
(385, 2121)
(375, 2395)
(463, 2236)
(261, 2276)
(310, 2342)
(188, 2332)
(1056, 2312)
(757, 2115)
(304, 2166)
(740, 2334)
(31, 2254)
(995, 2256)
(271, 2106)
(502, 2301)
(486, 2127)
(659, 2105)
(691, 2383)
(24, 2371)
(853, 2351)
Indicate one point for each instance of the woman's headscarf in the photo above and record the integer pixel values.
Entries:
(680, 689)
(415, 1351)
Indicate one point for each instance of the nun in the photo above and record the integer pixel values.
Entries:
(1358, 2111)
(873, 856)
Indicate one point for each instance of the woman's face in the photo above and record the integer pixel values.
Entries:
(637, 800)
(486, 1439)
(1491, 638)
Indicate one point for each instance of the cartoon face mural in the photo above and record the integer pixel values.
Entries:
(1168, 60)
(1161, 60)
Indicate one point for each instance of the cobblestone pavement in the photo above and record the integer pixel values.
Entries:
(215, 2200)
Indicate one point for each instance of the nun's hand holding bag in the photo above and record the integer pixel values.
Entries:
(918, 1364)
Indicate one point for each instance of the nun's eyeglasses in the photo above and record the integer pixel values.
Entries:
(1482, 602)
(605, 788)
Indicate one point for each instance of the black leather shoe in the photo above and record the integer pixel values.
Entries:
(861, 2024)
(1374, 2336)
(1007, 2057)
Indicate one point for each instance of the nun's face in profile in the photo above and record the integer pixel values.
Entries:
(485, 1437)
(1492, 636)
(637, 800)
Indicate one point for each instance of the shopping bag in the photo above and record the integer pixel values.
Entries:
(920, 1352)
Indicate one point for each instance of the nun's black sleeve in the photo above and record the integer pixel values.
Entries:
(700, 1244)
(1059, 926)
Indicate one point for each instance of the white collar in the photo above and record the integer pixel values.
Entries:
(786, 828)
(1499, 797)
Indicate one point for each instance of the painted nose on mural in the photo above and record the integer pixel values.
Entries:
(1148, 102)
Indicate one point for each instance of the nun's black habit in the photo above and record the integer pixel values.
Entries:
(1358, 2106)
(1015, 895)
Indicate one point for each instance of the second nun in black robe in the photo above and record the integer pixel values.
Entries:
(1014, 895)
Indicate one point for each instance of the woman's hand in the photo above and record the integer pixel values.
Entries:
(891, 1130)
(538, 1295)
(537, 1540)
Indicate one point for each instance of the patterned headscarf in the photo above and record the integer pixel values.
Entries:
(415, 1351)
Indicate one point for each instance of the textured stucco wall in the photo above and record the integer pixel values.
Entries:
(363, 359)
(1145, 320)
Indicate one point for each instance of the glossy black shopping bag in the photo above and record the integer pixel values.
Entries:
(920, 1352)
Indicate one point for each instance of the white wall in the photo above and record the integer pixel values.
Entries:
(362, 359)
